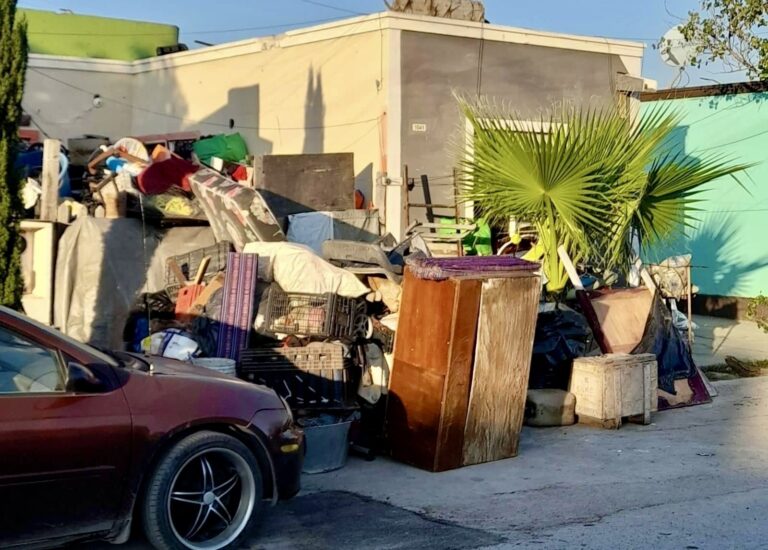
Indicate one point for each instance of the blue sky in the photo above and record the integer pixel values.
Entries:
(645, 20)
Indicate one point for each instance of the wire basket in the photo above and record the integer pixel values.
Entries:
(313, 376)
(315, 315)
(190, 263)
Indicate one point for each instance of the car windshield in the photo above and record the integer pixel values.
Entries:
(101, 356)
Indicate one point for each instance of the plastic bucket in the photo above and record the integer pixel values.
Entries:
(223, 366)
(327, 447)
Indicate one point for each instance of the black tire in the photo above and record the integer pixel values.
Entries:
(177, 466)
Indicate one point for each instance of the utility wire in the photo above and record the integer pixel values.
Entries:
(193, 121)
(332, 7)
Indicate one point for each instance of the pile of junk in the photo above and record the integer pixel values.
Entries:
(187, 247)
(273, 268)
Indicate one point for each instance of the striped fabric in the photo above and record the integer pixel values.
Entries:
(238, 305)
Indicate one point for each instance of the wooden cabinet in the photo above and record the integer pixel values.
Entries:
(460, 375)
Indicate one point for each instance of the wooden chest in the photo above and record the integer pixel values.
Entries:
(614, 386)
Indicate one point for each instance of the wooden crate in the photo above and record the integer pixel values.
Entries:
(430, 384)
(615, 386)
(460, 376)
(505, 332)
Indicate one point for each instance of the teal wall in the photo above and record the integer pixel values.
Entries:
(729, 242)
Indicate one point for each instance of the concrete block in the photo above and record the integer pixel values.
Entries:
(550, 408)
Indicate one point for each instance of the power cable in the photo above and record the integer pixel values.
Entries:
(332, 7)
(193, 121)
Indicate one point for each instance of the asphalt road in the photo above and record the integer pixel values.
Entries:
(697, 478)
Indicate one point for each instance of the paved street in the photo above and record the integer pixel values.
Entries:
(695, 479)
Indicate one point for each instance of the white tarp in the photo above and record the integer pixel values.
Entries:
(296, 268)
(103, 265)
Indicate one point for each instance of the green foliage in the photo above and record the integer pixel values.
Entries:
(731, 31)
(757, 311)
(13, 66)
(588, 179)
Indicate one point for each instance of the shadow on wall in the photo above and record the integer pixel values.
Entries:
(364, 182)
(117, 286)
(242, 114)
(719, 268)
(314, 114)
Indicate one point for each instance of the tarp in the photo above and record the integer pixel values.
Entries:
(231, 148)
(296, 268)
(314, 228)
(104, 265)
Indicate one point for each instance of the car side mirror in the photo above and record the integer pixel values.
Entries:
(81, 379)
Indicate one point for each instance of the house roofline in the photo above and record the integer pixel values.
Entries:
(374, 23)
(706, 91)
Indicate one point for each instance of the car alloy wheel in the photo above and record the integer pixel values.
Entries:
(204, 494)
(211, 500)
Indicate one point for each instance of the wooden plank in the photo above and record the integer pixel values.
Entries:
(458, 379)
(429, 389)
(506, 327)
(427, 198)
(49, 202)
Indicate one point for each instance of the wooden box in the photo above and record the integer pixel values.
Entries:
(614, 386)
(460, 376)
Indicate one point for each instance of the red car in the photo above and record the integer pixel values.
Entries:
(91, 442)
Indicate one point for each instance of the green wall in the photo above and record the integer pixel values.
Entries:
(76, 35)
(729, 242)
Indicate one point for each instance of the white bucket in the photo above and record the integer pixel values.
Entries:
(221, 365)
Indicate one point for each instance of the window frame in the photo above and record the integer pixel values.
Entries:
(57, 356)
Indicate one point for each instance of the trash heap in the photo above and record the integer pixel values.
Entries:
(304, 302)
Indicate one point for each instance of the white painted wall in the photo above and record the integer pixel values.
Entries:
(59, 97)
(320, 97)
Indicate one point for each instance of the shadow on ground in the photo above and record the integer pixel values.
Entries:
(346, 521)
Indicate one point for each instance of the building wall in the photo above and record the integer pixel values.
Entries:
(529, 79)
(323, 97)
(355, 86)
(59, 96)
(74, 35)
(729, 255)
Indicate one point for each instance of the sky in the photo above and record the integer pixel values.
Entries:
(219, 21)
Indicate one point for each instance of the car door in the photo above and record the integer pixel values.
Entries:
(63, 455)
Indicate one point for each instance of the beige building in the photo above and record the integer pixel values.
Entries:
(379, 86)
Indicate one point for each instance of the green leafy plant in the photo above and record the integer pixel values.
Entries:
(729, 31)
(13, 66)
(590, 179)
(757, 311)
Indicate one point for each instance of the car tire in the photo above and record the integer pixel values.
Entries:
(205, 493)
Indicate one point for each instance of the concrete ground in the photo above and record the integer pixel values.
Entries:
(717, 338)
(696, 478)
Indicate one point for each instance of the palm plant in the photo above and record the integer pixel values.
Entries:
(590, 179)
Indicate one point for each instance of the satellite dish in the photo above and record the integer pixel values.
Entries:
(675, 49)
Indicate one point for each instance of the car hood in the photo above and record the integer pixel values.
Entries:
(178, 371)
